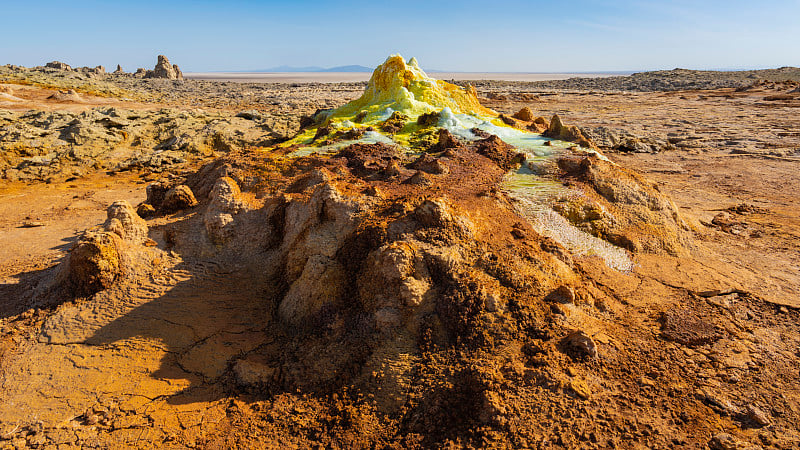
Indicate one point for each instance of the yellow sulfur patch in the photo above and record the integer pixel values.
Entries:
(400, 86)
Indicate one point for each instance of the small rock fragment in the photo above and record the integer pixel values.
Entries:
(419, 178)
(582, 343)
(580, 388)
(31, 224)
(724, 441)
(757, 416)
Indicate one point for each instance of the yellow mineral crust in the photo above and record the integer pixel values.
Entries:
(404, 87)
(400, 86)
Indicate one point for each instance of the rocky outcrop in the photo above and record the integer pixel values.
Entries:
(525, 114)
(97, 260)
(42, 144)
(525, 119)
(625, 141)
(93, 71)
(58, 65)
(558, 130)
(400, 268)
(126, 223)
(622, 207)
(313, 232)
(446, 141)
(164, 69)
(224, 203)
(93, 263)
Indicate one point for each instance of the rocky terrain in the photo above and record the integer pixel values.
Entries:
(47, 145)
(665, 80)
(238, 295)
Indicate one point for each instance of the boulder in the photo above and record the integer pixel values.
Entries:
(525, 114)
(177, 198)
(145, 210)
(226, 195)
(581, 343)
(539, 125)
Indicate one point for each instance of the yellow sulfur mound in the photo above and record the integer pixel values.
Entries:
(397, 86)
(404, 87)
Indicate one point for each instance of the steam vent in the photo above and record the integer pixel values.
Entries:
(412, 269)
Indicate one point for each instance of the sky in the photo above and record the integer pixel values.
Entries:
(466, 36)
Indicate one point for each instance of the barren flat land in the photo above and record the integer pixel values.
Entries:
(177, 272)
(341, 77)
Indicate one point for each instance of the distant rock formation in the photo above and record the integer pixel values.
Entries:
(165, 70)
(99, 70)
(58, 65)
(119, 69)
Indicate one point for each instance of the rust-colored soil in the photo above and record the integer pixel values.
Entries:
(371, 299)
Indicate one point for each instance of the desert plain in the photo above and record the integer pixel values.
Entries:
(177, 272)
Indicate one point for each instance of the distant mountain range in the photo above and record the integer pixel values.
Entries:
(351, 68)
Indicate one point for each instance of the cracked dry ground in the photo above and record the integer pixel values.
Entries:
(187, 351)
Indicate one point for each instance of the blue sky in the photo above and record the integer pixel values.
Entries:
(481, 36)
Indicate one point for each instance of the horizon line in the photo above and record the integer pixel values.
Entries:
(628, 71)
